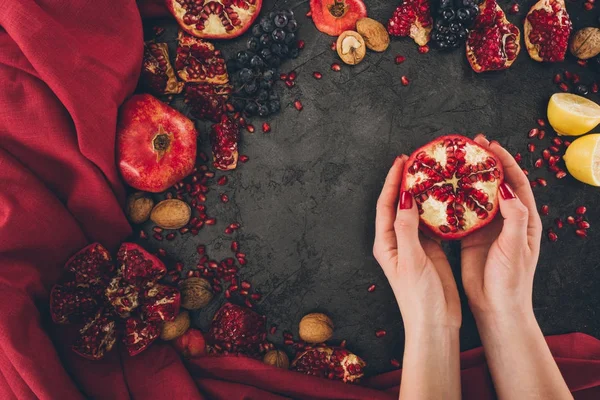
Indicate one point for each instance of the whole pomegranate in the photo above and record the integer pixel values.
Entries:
(156, 145)
(336, 16)
(547, 29)
(493, 42)
(215, 19)
(455, 184)
(191, 344)
(412, 18)
(330, 362)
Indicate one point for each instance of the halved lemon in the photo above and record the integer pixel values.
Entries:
(583, 159)
(572, 115)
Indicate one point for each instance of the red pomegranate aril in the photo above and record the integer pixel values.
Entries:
(560, 174)
(568, 75)
(546, 154)
(395, 363)
(564, 87)
(245, 285)
(583, 225)
(404, 80)
(371, 288)
(588, 6)
(250, 128)
(541, 182)
(224, 198)
(273, 329)
(557, 79)
(170, 236)
(538, 163)
(210, 221)
(228, 231)
(184, 230)
(317, 75)
(336, 67)
(157, 229)
(248, 303)
(576, 78)
(288, 342)
(298, 105)
(544, 210)
(552, 236)
(157, 236)
(222, 181)
(235, 246)
(227, 294)
(580, 210)
(301, 44)
(514, 9)
(423, 49)
(308, 14)
(266, 128)
(256, 296)
(292, 76)
(399, 59)
(542, 134)
(578, 218)
(143, 235)
(554, 149)
(583, 63)
(541, 122)
(243, 158)
(533, 133)
(242, 261)
(380, 333)
(559, 223)
(525, 171)
(333, 45)
(290, 84)
(518, 157)
(570, 220)
(566, 143)
(594, 87)
(531, 147)
(581, 233)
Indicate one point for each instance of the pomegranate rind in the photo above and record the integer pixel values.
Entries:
(485, 27)
(207, 101)
(139, 335)
(91, 264)
(204, 57)
(97, 337)
(224, 138)
(157, 74)
(138, 267)
(328, 23)
(191, 344)
(335, 363)
(160, 303)
(560, 12)
(82, 304)
(245, 11)
(434, 183)
(418, 14)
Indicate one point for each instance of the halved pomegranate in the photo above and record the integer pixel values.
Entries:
(139, 267)
(412, 18)
(330, 362)
(70, 303)
(547, 29)
(455, 184)
(139, 335)
(215, 19)
(224, 138)
(157, 75)
(336, 16)
(91, 264)
(160, 303)
(207, 101)
(198, 61)
(493, 42)
(97, 337)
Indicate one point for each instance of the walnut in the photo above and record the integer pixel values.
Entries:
(139, 206)
(195, 293)
(173, 329)
(171, 214)
(316, 328)
(585, 43)
(374, 33)
(351, 47)
(277, 358)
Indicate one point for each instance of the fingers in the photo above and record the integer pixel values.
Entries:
(516, 217)
(407, 233)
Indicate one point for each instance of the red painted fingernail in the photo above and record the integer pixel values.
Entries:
(506, 192)
(405, 200)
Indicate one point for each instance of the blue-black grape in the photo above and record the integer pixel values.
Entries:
(262, 95)
(267, 26)
(256, 61)
(252, 44)
(251, 109)
(280, 20)
(274, 106)
(292, 26)
(263, 110)
(265, 40)
(268, 74)
(250, 87)
(243, 57)
(256, 30)
(278, 35)
(246, 75)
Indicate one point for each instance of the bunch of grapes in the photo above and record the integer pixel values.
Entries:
(454, 18)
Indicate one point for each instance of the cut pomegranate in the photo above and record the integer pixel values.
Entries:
(215, 19)
(224, 138)
(547, 29)
(157, 75)
(330, 362)
(455, 184)
(333, 17)
(160, 303)
(238, 329)
(96, 338)
(493, 42)
(139, 335)
(122, 296)
(91, 265)
(198, 61)
(412, 18)
(71, 303)
(139, 267)
(207, 101)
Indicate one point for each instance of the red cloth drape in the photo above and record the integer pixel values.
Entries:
(65, 67)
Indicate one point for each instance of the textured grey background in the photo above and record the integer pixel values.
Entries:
(306, 199)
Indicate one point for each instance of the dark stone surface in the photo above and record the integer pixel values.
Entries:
(306, 199)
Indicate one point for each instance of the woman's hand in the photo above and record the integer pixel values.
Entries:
(424, 286)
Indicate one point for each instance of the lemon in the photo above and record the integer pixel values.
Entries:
(572, 115)
(583, 159)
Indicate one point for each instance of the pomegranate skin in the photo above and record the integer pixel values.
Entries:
(156, 145)
(454, 200)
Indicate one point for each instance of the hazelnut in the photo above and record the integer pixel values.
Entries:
(277, 358)
(351, 47)
(316, 328)
(585, 43)
(173, 329)
(171, 214)
(195, 293)
(374, 34)
(139, 207)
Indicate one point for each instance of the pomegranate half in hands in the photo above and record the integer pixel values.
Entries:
(215, 19)
(454, 182)
(336, 16)
(547, 28)
(156, 144)
(330, 362)
(412, 18)
(493, 42)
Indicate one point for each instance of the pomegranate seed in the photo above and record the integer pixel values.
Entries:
(227, 294)
(559, 223)
(245, 285)
(544, 210)
(531, 147)
(222, 181)
(594, 87)
(578, 218)
(309, 14)
(518, 157)
(554, 149)
(248, 303)
(404, 80)
(333, 45)
(560, 174)
(546, 154)
(399, 59)
(298, 105)
(157, 229)
(570, 220)
(533, 184)
(423, 49)
(541, 182)
(568, 75)
(371, 288)
(343, 344)
(194, 231)
(580, 210)
(292, 76)
(317, 75)
(210, 221)
(190, 274)
(170, 236)
(143, 235)
(228, 231)
(552, 236)
(525, 171)
(290, 84)
(273, 329)
(533, 133)
(563, 86)
(336, 67)
(380, 333)
(581, 233)
(288, 342)
(567, 143)
(514, 9)
(588, 6)
(250, 128)
(224, 198)
(395, 363)
(541, 122)
(557, 79)
(184, 230)
(157, 236)
(256, 296)
(301, 44)
(583, 225)
(283, 77)
(542, 134)
(235, 246)
(538, 163)
(230, 107)
(266, 127)
(161, 252)
(243, 158)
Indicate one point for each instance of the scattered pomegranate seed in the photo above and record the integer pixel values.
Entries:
(161, 252)
(235, 246)
(583, 225)
(301, 44)
(525, 171)
(290, 84)
(245, 285)
(566, 143)
(333, 45)
(531, 147)
(395, 363)
(273, 329)
(570, 220)
(292, 76)
(184, 230)
(250, 128)
(563, 86)
(399, 59)
(158, 237)
(336, 67)
(404, 80)
(371, 288)
(380, 333)
(423, 49)
(283, 77)
(201, 249)
(222, 181)
(580, 210)
(576, 78)
(588, 6)
(298, 105)
(266, 127)
(514, 9)
(541, 122)
(170, 236)
(309, 14)
(317, 75)
(227, 294)
(143, 235)
(243, 158)
(568, 75)
(560, 174)
(559, 223)
(545, 154)
(158, 30)
(533, 184)
(538, 163)
(581, 233)
(157, 229)
(544, 210)
(343, 344)
(557, 79)
(594, 87)
(582, 63)
(533, 133)
(518, 157)
(557, 141)
(541, 182)
(541, 134)
(552, 236)
(578, 218)
(230, 107)
(224, 198)
(210, 221)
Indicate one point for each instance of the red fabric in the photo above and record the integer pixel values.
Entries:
(65, 66)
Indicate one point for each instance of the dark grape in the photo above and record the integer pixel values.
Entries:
(265, 40)
(262, 95)
(243, 57)
(268, 75)
(251, 109)
(582, 90)
(294, 53)
(256, 62)
(250, 87)
(238, 103)
(263, 110)
(274, 106)
(280, 20)
(278, 35)
(265, 53)
(267, 26)
(276, 48)
(252, 44)
(274, 61)
(448, 14)
(290, 38)
(232, 65)
(256, 30)
(265, 84)
(246, 75)
(292, 26)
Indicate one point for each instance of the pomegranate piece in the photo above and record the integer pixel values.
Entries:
(191, 344)
(71, 303)
(215, 19)
(138, 267)
(91, 265)
(412, 18)
(198, 61)
(455, 184)
(160, 303)
(224, 138)
(330, 362)
(122, 296)
(157, 75)
(139, 335)
(207, 101)
(238, 329)
(547, 28)
(493, 42)
(156, 144)
(333, 17)
(97, 337)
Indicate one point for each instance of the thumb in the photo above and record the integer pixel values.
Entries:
(410, 252)
(515, 215)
